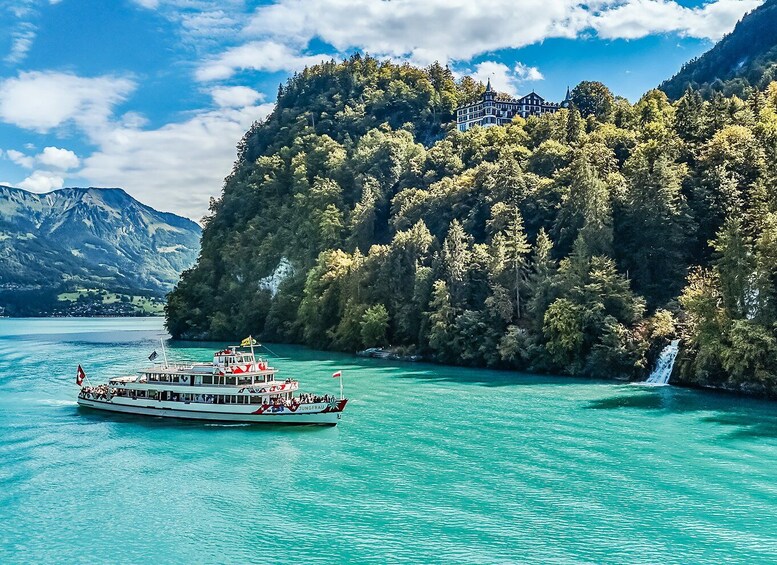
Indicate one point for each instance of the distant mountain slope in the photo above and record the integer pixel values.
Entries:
(93, 237)
(746, 57)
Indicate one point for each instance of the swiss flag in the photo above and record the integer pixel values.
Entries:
(80, 376)
(337, 375)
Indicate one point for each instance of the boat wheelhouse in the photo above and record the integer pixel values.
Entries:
(236, 386)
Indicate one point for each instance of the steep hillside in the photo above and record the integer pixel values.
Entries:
(93, 238)
(745, 58)
(578, 242)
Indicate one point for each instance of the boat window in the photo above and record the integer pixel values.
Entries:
(232, 380)
(207, 380)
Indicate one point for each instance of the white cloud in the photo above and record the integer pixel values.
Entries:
(639, 18)
(176, 167)
(498, 74)
(421, 31)
(458, 30)
(20, 158)
(42, 181)
(525, 72)
(209, 23)
(267, 56)
(42, 101)
(21, 42)
(503, 78)
(56, 158)
(235, 96)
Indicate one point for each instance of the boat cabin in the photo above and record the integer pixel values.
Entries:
(230, 356)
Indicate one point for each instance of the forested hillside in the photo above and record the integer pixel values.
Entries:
(744, 59)
(577, 243)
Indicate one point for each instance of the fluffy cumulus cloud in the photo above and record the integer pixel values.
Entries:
(638, 18)
(57, 158)
(267, 56)
(42, 181)
(504, 78)
(525, 72)
(21, 159)
(177, 167)
(421, 31)
(42, 101)
(50, 158)
(235, 96)
(458, 30)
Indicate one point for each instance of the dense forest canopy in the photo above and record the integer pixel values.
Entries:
(578, 242)
(744, 60)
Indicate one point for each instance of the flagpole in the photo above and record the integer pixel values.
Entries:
(251, 340)
(341, 385)
(164, 351)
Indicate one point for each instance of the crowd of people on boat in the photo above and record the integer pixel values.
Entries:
(99, 392)
(308, 398)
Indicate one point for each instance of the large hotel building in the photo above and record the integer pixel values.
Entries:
(493, 111)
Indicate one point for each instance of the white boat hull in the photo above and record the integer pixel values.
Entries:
(222, 413)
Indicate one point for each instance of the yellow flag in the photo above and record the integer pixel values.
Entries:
(247, 342)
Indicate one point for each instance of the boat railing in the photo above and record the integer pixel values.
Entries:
(266, 387)
(207, 368)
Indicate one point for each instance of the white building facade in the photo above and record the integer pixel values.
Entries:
(492, 111)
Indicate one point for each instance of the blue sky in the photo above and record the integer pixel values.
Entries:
(153, 95)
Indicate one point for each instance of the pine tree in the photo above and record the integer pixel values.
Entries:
(456, 255)
(689, 117)
(735, 266)
(517, 248)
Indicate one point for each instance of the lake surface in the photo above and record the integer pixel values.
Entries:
(429, 465)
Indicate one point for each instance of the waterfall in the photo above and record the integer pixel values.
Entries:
(664, 365)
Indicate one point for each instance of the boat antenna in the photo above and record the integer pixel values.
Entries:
(270, 351)
(164, 351)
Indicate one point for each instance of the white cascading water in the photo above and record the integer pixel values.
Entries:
(664, 365)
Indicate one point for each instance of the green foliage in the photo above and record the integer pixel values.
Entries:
(374, 326)
(593, 99)
(560, 243)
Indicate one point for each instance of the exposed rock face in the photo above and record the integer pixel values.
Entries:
(100, 236)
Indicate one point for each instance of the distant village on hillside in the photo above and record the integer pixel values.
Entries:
(492, 110)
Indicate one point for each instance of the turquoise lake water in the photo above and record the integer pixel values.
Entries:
(429, 465)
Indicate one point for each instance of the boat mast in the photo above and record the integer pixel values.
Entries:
(164, 351)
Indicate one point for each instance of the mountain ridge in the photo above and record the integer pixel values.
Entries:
(91, 237)
(745, 58)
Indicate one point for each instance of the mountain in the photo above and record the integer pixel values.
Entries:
(745, 58)
(90, 238)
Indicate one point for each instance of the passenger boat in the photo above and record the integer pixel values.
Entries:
(236, 386)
